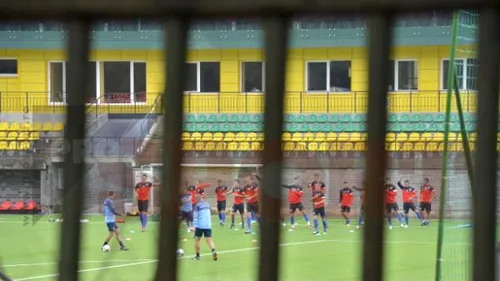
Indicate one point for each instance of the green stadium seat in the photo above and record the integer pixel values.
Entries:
(305, 128)
(235, 118)
(312, 118)
(334, 118)
(420, 127)
(362, 127)
(293, 128)
(190, 118)
(323, 118)
(454, 127)
(212, 118)
(357, 118)
(349, 127)
(327, 128)
(290, 118)
(454, 117)
(403, 118)
(248, 128)
(192, 127)
(415, 118)
(346, 118)
(470, 127)
(222, 118)
(300, 119)
(470, 117)
(432, 127)
(427, 118)
(338, 128)
(214, 127)
(245, 118)
(259, 127)
(236, 127)
(203, 127)
(201, 118)
(257, 118)
(408, 127)
(438, 118)
(395, 127)
(225, 127)
(315, 128)
(440, 127)
(393, 118)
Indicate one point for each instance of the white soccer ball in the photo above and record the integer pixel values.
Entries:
(180, 253)
(106, 248)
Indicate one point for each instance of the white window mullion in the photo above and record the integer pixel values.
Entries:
(263, 76)
(98, 82)
(198, 77)
(396, 75)
(327, 65)
(64, 81)
(132, 94)
(464, 76)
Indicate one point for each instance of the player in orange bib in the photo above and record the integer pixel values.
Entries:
(221, 192)
(409, 194)
(391, 203)
(318, 199)
(238, 203)
(427, 194)
(142, 190)
(346, 199)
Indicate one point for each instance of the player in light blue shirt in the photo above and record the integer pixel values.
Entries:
(186, 209)
(109, 219)
(203, 224)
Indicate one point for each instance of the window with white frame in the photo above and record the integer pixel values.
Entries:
(58, 81)
(123, 81)
(202, 77)
(328, 76)
(252, 74)
(8, 67)
(466, 70)
(403, 75)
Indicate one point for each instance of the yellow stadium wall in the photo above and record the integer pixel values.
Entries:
(33, 79)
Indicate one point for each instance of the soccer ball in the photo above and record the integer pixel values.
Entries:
(180, 253)
(106, 248)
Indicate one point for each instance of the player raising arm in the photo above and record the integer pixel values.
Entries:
(409, 194)
(251, 191)
(109, 218)
(142, 191)
(203, 224)
(391, 205)
(318, 199)
(239, 196)
(295, 193)
(346, 199)
(194, 188)
(427, 195)
(221, 192)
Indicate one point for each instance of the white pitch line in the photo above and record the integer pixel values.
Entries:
(138, 262)
(49, 263)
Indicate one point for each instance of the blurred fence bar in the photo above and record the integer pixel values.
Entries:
(485, 178)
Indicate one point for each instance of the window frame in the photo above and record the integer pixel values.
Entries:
(463, 86)
(242, 77)
(10, 75)
(49, 81)
(198, 77)
(396, 75)
(328, 65)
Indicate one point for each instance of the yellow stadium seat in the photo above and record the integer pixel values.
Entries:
(414, 137)
(498, 137)
(312, 146)
(432, 146)
(407, 146)
(256, 146)
(286, 137)
(438, 137)
(244, 146)
(3, 145)
(4, 126)
(297, 137)
(347, 146)
(34, 136)
(301, 146)
(58, 126)
(229, 137)
(390, 137)
(320, 137)
(199, 146)
(187, 145)
(334, 147)
(26, 126)
(308, 137)
(3, 135)
(324, 146)
(12, 136)
(233, 146)
(343, 137)
(472, 146)
(14, 126)
(359, 146)
(251, 137)
(459, 138)
(12, 145)
(394, 146)
(218, 137)
(23, 145)
(37, 126)
(426, 137)
(355, 137)
(221, 146)
(331, 137)
(401, 137)
(240, 137)
(185, 136)
(47, 127)
(419, 146)
(455, 146)
(260, 137)
(288, 146)
(195, 136)
(207, 137)
(23, 136)
(364, 136)
(210, 146)
(452, 137)
(472, 137)
(440, 147)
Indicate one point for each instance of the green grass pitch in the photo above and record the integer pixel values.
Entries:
(29, 252)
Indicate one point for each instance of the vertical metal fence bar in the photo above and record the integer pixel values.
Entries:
(276, 38)
(74, 182)
(177, 29)
(485, 202)
(379, 46)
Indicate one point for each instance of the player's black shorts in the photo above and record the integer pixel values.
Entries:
(319, 212)
(425, 206)
(253, 207)
(142, 205)
(409, 206)
(112, 226)
(221, 206)
(391, 207)
(238, 208)
(186, 216)
(199, 232)
(295, 206)
(345, 209)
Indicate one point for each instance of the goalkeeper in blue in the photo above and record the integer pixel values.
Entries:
(203, 224)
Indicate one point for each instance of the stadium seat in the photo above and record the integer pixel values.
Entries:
(14, 126)
(256, 118)
(286, 137)
(3, 145)
(221, 146)
(334, 146)
(233, 146)
(31, 205)
(234, 118)
(395, 127)
(301, 146)
(343, 137)
(308, 137)
(260, 137)
(4, 126)
(300, 118)
(288, 146)
(455, 147)
(432, 146)
(324, 146)
(189, 118)
(403, 118)
(364, 136)
(3, 135)
(201, 118)
(296, 137)
(473, 137)
(240, 137)
(331, 137)
(47, 127)
(207, 137)
(26, 126)
(187, 146)
(359, 146)
(34, 136)
(414, 137)
(5, 205)
(440, 147)
(184, 136)
(23, 136)
(420, 127)
(18, 206)
(212, 118)
(419, 146)
(210, 146)
(12, 136)
(218, 137)
(195, 136)
(452, 137)
(214, 127)
(355, 137)
(438, 118)
(426, 137)
(438, 137)
(323, 118)
(390, 137)
(415, 118)
(256, 146)
(311, 118)
(407, 146)
(312, 146)
(222, 118)
(402, 137)
(229, 137)
(392, 118)
(225, 127)
(203, 127)
(199, 146)
(395, 146)
(251, 137)
(320, 137)
(244, 146)
(346, 147)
